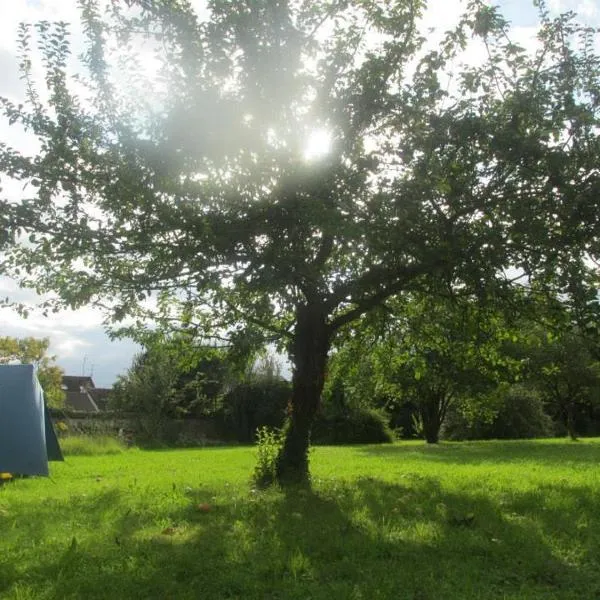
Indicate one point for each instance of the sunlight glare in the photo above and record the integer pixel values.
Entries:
(318, 144)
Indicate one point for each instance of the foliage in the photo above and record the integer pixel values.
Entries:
(267, 368)
(513, 412)
(178, 377)
(427, 352)
(148, 388)
(193, 189)
(254, 404)
(357, 426)
(175, 376)
(563, 368)
(351, 384)
(183, 524)
(34, 351)
(351, 412)
(268, 446)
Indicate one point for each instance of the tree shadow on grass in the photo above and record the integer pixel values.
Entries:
(32, 521)
(366, 539)
(497, 452)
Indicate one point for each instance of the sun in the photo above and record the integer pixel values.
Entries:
(318, 144)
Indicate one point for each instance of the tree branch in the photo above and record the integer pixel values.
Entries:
(399, 279)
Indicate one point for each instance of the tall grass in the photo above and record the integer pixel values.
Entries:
(91, 445)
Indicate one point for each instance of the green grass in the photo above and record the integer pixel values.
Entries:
(473, 520)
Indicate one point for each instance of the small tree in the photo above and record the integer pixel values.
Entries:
(34, 351)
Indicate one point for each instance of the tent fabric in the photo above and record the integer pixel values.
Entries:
(27, 438)
(52, 448)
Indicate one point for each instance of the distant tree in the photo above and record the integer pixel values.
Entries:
(563, 368)
(148, 390)
(34, 351)
(558, 347)
(431, 353)
(176, 375)
(253, 403)
(202, 183)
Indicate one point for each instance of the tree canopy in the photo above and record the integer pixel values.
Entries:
(192, 187)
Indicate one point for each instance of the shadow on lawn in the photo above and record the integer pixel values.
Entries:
(464, 453)
(368, 539)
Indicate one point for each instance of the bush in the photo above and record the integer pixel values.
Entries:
(87, 445)
(255, 404)
(269, 442)
(519, 415)
(359, 426)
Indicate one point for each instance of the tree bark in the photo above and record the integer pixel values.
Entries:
(309, 349)
(431, 419)
(571, 421)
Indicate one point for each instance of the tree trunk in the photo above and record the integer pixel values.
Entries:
(309, 350)
(571, 421)
(431, 420)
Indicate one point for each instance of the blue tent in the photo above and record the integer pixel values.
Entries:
(27, 438)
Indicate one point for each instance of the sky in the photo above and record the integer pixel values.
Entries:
(78, 338)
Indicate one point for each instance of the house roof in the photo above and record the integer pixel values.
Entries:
(80, 401)
(78, 397)
(100, 396)
(74, 383)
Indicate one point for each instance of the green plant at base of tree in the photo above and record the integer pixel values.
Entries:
(268, 445)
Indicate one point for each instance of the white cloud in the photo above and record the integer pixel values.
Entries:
(557, 6)
(74, 335)
(588, 8)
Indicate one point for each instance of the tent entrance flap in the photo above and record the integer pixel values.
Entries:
(52, 446)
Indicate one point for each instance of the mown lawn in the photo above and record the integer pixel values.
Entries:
(472, 520)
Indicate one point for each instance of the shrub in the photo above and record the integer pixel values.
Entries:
(269, 442)
(359, 426)
(519, 414)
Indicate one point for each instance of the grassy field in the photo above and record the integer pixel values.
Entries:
(472, 520)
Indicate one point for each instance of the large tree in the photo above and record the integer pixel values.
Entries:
(183, 168)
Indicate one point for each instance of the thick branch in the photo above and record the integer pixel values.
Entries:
(398, 278)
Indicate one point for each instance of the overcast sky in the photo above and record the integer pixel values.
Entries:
(77, 337)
